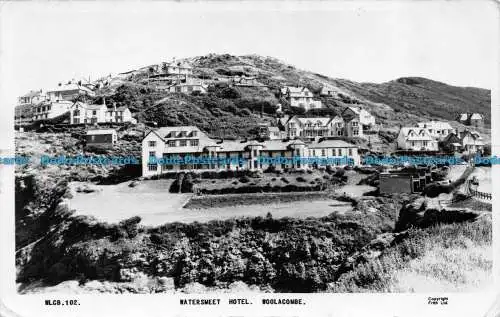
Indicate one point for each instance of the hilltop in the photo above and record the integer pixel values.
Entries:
(235, 111)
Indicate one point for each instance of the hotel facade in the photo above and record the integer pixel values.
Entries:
(166, 150)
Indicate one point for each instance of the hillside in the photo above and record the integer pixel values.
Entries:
(230, 111)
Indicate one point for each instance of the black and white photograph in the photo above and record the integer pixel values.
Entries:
(250, 148)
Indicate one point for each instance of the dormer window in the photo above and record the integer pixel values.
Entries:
(194, 133)
(183, 134)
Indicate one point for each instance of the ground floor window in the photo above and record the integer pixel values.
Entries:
(152, 167)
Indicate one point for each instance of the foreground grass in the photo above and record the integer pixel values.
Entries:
(443, 258)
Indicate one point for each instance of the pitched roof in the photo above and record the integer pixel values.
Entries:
(435, 125)
(331, 144)
(69, 87)
(101, 131)
(476, 116)
(419, 134)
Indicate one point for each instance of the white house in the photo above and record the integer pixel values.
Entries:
(300, 97)
(119, 115)
(189, 87)
(437, 129)
(68, 92)
(416, 139)
(81, 112)
(472, 142)
(365, 119)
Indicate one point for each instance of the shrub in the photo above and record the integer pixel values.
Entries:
(285, 180)
(244, 179)
(301, 179)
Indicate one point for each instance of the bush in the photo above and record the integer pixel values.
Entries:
(285, 180)
(301, 179)
(244, 179)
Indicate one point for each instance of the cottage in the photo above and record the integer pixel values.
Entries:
(300, 97)
(360, 118)
(416, 139)
(451, 143)
(119, 115)
(472, 142)
(82, 113)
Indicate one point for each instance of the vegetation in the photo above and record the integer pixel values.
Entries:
(432, 256)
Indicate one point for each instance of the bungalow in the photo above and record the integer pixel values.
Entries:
(437, 129)
(101, 137)
(68, 92)
(300, 97)
(416, 139)
(244, 81)
(189, 87)
(81, 112)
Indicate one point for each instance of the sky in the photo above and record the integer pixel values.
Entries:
(43, 43)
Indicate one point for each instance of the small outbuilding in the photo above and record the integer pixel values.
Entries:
(101, 137)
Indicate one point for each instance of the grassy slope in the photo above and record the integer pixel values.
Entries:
(451, 257)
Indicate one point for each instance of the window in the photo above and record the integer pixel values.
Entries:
(355, 132)
(350, 152)
(194, 133)
(340, 152)
(76, 121)
(94, 112)
(195, 142)
(314, 153)
(323, 152)
(183, 134)
(152, 153)
(354, 123)
(152, 167)
(425, 143)
(171, 143)
(152, 143)
(182, 143)
(76, 112)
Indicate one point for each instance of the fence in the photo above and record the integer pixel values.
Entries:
(477, 193)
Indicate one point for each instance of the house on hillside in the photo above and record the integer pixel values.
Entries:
(68, 92)
(121, 114)
(472, 142)
(50, 109)
(416, 139)
(451, 143)
(471, 119)
(300, 97)
(191, 86)
(32, 98)
(437, 129)
(83, 113)
(363, 118)
(244, 81)
(327, 91)
(167, 149)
